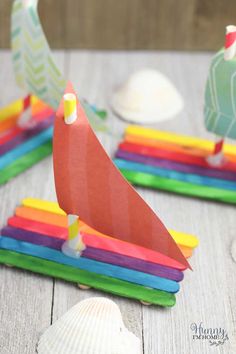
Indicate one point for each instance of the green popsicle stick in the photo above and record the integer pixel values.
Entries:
(25, 162)
(100, 282)
(167, 184)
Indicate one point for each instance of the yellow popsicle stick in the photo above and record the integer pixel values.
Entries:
(173, 138)
(13, 109)
(184, 239)
(35, 99)
(52, 207)
(161, 144)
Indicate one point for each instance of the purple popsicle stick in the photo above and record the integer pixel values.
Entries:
(95, 253)
(176, 166)
(26, 134)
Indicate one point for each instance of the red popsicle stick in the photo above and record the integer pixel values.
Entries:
(101, 242)
(173, 156)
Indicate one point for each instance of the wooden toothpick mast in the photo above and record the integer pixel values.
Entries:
(74, 245)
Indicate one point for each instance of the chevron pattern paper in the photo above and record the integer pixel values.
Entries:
(33, 237)
(220, 97)
(35, 69)
(176, 163)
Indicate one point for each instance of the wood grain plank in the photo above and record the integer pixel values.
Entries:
(209, 21)
(133, 24)
(5, 12)
(52, 15)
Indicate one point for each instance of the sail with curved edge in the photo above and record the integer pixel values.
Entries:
(220, 95)
(89, 185)
(35, 68)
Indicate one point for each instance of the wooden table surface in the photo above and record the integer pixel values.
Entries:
(29, 303)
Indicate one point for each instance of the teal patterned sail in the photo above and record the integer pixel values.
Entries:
(220, 97)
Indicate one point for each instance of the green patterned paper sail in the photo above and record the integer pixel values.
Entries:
(34, 66)
(220, 97)
(35, 69)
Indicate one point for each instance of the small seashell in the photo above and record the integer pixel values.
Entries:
(93, 326)
(147, 97)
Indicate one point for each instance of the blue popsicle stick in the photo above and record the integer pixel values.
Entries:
(26, 147)
(179, 176)
(118, 272)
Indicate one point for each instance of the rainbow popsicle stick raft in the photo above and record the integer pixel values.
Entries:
(20, 148)
(33, 237)
(176, 163)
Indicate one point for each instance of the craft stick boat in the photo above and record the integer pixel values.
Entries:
(188, 165)
(176, 163)
(103, 235)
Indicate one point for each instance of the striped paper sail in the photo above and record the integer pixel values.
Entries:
(89, 185)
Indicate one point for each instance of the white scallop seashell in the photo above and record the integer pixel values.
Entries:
(93, 326)
(147, 97)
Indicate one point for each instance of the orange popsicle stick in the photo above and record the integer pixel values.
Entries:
(126, 248)
(169, 146)
(8, 124)
(41, 216)
(164, 145)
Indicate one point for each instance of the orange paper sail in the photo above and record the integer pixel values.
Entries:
(89, 185)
